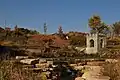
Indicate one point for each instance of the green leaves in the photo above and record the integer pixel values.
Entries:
(45, 28)
(94, 22)
(116, 27)
(97, 25)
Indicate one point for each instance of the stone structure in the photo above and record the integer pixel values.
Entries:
(95, 42)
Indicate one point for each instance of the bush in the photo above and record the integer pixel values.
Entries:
(13, 71)
(78, 40)
(112, 70)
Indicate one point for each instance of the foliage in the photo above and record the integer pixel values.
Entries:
(77, 39)
(112, 70)
(17, 32)
(60, 32)
(94, 22)
(7, 31)
(33, 32)
(112, 52)
(14, 71)
(97, 25)
(103, 28)
(45, 28)
(23, 31)
(113, 42)
(116, 28)
(43, 76)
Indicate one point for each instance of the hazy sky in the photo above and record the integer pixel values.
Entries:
(71, 14)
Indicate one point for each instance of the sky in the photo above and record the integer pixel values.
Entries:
(72, 15)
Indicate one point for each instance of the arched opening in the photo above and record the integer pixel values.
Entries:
(101, 43)
(91, 43)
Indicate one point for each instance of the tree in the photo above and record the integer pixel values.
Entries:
(78, 40)
(7, 31)
(105, 29)
(60, 32)
(116, 28)
(27, 31)
(111, 31)
(33, 32)
(97, 25)
(45, 28)
(17, 31)
(94, 22)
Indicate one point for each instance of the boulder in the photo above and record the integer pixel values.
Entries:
(111, 60)
(78, 67)
(42, 65)
(89, 76)
(42, 61)
(79, 78)
(21, 57)
(73, 65)
(94, 73)
(50, 62)
(29, 61)
(95, 63)
(80, 49)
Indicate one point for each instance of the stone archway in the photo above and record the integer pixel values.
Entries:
(91, 43)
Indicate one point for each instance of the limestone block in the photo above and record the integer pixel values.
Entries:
(94, 73)
(95, 63)
(42, 65)
(89, 76)
(50, 62)
(42, 60)
(79, 78)
(111, 60)
(21, 57)
(78, 67)
(29, 61)
(73, 65)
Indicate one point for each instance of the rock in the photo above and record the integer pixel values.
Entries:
(89, 76)
(93, 73)
(79, 78)
(29, 61)
(43, 76)
(94, 69)
(95, 63)
(21, 57)
(42, 61)
(42, 65)
(50, 62)
(111, 60)
(78, 67)
(80, 49)
(73, 65)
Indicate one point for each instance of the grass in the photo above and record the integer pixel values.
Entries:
(14, 71)
(112, 70)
